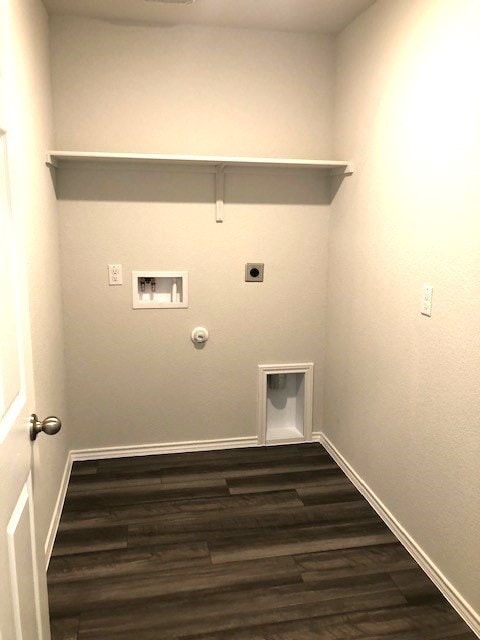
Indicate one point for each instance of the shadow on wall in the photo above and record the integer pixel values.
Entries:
(127, 184)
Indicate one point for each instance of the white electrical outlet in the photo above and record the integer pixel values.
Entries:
(115, 274)
(426, 309)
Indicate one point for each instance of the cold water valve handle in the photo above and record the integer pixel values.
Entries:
(199, 335)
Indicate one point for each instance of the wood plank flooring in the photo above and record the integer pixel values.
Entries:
(247, 544)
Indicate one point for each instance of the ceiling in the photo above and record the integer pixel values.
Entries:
(311, 16)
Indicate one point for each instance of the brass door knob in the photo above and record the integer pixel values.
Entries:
(51, 425)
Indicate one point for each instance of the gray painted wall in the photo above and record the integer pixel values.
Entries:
(134, 377)
(191, 90)
(401, 400)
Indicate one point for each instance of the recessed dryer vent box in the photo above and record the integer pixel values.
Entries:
(160, 289)
(285, 402)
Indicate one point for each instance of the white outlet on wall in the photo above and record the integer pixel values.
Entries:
(115, 274)
(427, 294)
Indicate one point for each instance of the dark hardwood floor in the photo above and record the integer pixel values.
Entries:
(247, 544)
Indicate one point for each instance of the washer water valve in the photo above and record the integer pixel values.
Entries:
(199, 335)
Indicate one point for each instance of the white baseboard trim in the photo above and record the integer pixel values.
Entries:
(57, 512)
(160, 448)
(471, 617)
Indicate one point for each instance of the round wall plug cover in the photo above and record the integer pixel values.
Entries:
(199, 335)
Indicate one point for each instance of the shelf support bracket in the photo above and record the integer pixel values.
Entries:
(219, 191)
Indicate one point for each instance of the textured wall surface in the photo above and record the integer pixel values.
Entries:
(34, 199)
(402, 401)
(134, 376)
(191, 90)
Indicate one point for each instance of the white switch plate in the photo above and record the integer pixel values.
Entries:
(426, 309)
(115, 276)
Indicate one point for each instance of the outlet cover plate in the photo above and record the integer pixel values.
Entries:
(115, 276)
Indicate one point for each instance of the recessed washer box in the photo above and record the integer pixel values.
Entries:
(160, 289)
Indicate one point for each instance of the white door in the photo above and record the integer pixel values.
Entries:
(23, 610)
